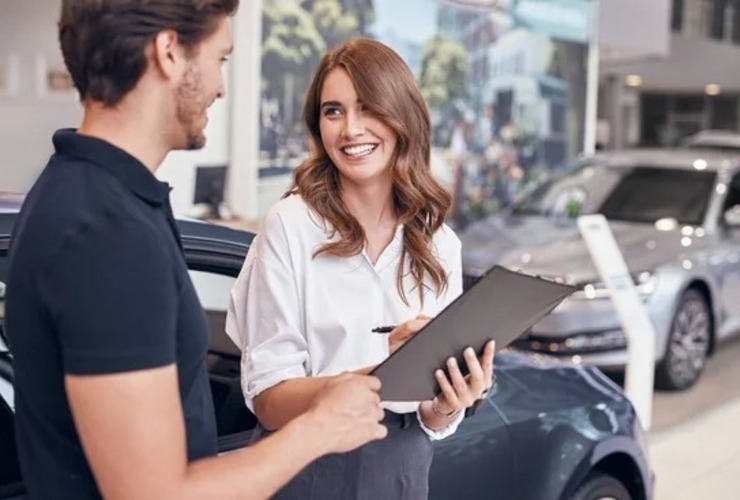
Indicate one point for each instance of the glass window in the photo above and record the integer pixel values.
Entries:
(213, 291)
(651, 194)
(677, 16)
(232, 416)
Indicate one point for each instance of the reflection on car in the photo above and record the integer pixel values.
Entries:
(675, 215)
(547, 430)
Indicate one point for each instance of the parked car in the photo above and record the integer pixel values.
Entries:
(675, 215)
(548, 430)
(715, 140)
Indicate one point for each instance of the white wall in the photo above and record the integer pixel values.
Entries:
(634, 28)
(692, 64)
(28, 120)
(27, 30)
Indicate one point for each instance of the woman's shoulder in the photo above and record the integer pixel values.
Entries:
(446, 240)
(292, 212)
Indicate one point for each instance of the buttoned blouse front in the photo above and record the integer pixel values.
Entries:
(295, 314)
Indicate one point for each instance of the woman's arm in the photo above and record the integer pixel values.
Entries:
(277, 406)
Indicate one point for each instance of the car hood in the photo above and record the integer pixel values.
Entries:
(555, 248)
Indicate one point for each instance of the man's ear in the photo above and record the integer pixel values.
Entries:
(168, 55)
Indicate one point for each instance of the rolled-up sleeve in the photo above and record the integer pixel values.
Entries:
(449, 430)
(264, 316)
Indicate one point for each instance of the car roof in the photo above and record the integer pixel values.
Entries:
(687, 159)
(193, 230)
(721, 139)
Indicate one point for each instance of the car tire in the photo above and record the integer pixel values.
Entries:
(687, 346)
(599, 486)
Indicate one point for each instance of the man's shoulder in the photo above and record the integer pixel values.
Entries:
(57, 217)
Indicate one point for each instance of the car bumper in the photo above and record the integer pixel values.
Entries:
(589, 332)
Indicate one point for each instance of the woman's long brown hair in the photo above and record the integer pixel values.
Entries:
(387, 89)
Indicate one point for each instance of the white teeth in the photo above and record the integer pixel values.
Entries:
(359, 150)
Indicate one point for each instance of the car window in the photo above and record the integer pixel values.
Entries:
(213, 290)
(3, 277)
(232, 416)
(10, 477)
(578, 192)
(629, 193)
(9, 469)
(648, 194)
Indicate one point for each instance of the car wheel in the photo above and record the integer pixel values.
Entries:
(687, 345)
(598, 486)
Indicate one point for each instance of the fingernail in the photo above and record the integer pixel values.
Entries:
(452, 362)
(469, 351)
(439, 373)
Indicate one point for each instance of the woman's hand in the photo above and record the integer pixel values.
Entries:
(405, 331)
(458, 392)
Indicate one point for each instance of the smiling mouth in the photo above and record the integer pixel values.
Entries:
(359, 150)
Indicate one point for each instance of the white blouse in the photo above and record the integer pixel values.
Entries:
(296, 315)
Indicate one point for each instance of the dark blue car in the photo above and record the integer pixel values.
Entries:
(547, 430)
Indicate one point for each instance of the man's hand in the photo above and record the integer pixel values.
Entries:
(405, 331)
(347, 412)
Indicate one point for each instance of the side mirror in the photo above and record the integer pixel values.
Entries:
(731, 217)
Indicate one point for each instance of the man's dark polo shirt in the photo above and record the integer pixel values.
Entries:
(98, 284)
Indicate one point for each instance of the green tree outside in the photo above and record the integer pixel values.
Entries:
(444, 72)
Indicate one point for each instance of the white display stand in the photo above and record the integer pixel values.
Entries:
(636, 325)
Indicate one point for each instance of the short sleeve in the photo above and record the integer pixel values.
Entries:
(112, 294)
(264, 316)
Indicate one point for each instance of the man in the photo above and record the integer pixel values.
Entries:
(108, 336)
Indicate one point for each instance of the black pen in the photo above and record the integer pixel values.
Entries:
(383, 329)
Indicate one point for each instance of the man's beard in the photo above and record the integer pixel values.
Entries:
(190, 107)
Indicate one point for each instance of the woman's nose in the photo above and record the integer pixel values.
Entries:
(354, 125)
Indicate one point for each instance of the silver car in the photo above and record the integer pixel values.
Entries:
(676, 217)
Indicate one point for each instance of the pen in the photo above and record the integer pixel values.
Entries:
(383, 329)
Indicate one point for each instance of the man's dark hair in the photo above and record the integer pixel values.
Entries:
(103, 41)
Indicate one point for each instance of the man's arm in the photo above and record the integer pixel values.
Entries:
(132, 430)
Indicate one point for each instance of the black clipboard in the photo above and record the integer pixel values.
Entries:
(501, 305)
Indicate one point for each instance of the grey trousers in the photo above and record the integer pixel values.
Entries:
(396, 467)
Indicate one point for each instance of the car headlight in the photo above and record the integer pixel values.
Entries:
(645, 283)
(607, 340)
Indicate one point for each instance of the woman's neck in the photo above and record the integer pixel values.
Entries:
(372, 206)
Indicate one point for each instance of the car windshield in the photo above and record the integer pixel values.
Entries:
(637, 194)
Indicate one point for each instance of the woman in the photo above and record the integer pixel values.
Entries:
(358, 242)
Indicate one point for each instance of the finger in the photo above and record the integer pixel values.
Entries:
(457, 379)
(476, 379)
(373, 383)
(488, 355)
(380, 432)
(379, 414)
(447, 390)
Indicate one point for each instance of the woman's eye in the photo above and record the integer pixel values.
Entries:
(332, 112)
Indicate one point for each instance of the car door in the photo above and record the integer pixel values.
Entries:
(478, 461)
(11, 486)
